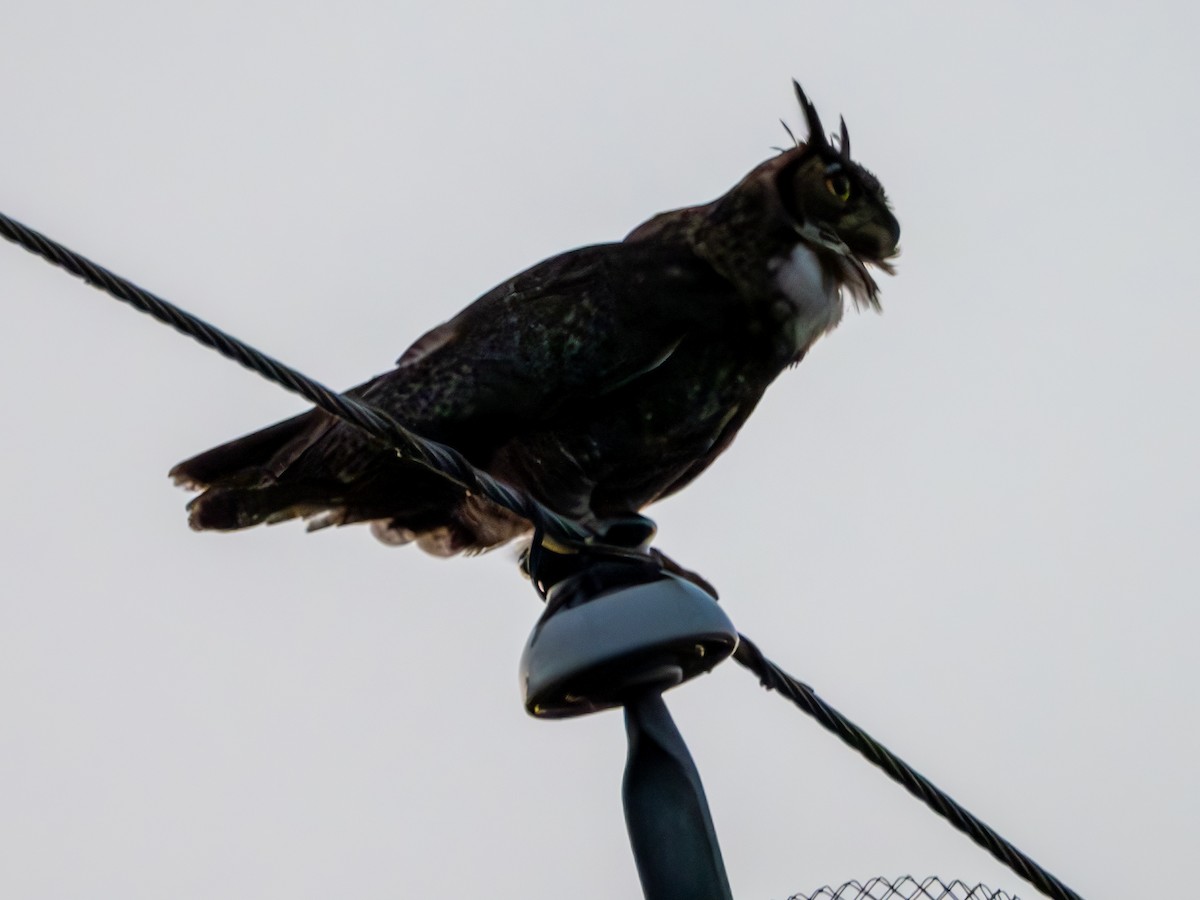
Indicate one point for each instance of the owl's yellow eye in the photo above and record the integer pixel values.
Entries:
(839, 186)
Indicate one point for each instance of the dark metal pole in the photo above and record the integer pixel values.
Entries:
(671, 830)
(619, 630)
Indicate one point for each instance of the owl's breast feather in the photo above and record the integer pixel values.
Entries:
(811, 300)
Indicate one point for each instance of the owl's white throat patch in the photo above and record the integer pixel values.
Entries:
(812, 291)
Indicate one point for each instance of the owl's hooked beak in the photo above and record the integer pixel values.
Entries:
(877, 241)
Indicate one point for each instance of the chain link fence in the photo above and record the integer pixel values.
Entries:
(906, 888)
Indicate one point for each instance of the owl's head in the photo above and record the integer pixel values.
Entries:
(822, 188)
(813, 191)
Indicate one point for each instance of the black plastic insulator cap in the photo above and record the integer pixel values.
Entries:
(612, 631)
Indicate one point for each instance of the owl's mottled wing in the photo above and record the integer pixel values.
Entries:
(563, 333)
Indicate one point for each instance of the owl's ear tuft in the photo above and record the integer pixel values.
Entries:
(816, 133)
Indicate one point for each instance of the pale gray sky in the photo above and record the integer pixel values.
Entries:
(970, 522)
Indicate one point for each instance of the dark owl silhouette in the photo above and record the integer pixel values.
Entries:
(598, 381)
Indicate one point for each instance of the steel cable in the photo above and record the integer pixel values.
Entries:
(774, 678)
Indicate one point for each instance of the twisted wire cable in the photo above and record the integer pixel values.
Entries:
(440, 458)
(774, 678)
(453, 465)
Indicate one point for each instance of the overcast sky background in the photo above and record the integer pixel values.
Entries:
(970, 523)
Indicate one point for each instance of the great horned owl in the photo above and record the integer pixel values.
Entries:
(599, 380)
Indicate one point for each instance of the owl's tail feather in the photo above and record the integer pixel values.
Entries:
(233, 508)
(239, 478)
(283, 472)
(244, 460)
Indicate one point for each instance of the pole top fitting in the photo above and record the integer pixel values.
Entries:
(617, 626)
